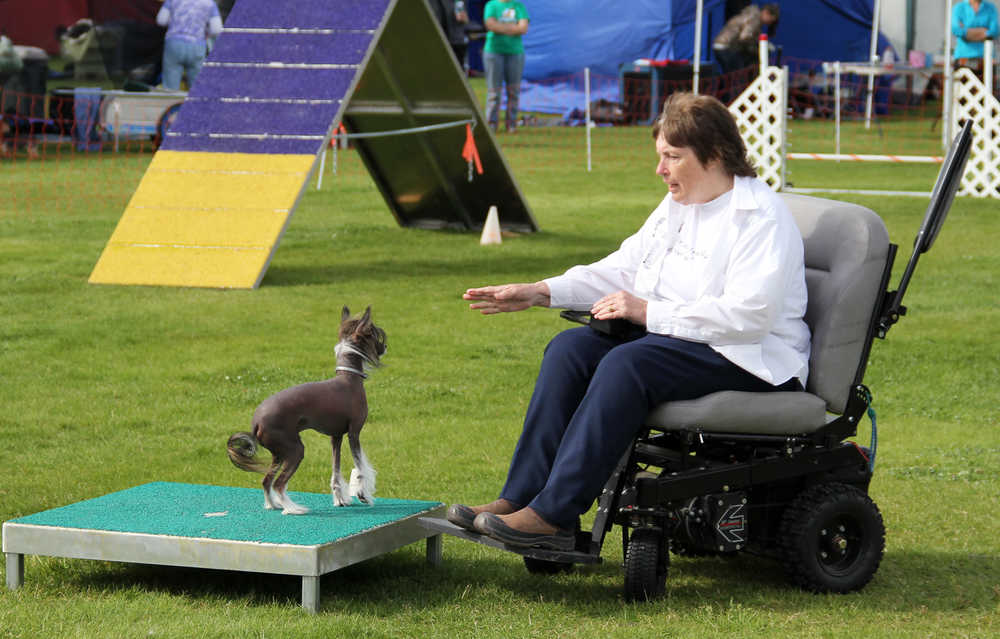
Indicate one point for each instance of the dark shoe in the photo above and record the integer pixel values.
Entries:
(464, 516)
(492, 526)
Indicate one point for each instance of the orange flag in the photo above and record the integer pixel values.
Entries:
(469, 151)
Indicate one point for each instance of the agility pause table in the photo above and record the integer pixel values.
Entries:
(223, 528)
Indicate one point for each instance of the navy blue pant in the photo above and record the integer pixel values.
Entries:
(592, 395)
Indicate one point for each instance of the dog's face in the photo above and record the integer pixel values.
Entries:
(363, 334)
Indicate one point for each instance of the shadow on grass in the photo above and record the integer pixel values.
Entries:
(916, 582)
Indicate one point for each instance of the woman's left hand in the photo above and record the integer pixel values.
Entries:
(620, 305)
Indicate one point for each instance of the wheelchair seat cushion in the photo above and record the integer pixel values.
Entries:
(846, 251)
(778, 413)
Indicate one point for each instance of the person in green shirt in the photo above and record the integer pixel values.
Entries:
(503, 56)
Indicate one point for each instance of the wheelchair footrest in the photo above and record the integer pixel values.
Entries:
(448, 528)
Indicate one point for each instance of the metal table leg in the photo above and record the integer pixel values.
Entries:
(15, 570)
(310, 594)
(435, 546)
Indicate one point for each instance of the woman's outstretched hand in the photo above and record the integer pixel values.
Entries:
(507, 298)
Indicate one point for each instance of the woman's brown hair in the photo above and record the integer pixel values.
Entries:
(705, 125)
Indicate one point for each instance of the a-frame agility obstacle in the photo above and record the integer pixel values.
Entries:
(283, 76)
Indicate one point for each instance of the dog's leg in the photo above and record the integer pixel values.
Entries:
(292, 462)
(363, 474)
(271, 499)
(337, 490)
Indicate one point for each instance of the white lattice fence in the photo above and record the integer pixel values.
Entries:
(972, 102)
(761, 112)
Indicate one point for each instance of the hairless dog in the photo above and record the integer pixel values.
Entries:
(333, 407)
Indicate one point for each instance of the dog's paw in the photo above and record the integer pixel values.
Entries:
(362, 487)
(365, 498)
(271, 501)
(340, 499)
(357, 485)
(294, 509)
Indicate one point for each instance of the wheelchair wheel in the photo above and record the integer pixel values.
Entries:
(545, 567)
(646, 565)
(832, 538)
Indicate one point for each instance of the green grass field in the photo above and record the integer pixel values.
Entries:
(108, 387)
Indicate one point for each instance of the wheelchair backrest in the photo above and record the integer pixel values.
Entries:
(846, 248)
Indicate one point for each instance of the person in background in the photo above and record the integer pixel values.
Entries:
(190, 23)
(714, 287)
(18, 129)
(503, 57)
(733, 7)
(735, 46)
(452, 16)
(972, 22)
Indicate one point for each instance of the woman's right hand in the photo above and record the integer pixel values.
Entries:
(507, 298)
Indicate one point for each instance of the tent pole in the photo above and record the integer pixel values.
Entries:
(697, 46)
(873, 58)
(586, 91)
(948, 81)
(836, 107)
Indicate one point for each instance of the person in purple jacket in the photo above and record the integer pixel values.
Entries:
(190, 23)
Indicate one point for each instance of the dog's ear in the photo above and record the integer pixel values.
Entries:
(367, 317)
(344, 314)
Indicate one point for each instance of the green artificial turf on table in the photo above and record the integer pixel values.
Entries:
(222, 512)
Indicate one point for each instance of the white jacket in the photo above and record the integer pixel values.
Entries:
(728, 273)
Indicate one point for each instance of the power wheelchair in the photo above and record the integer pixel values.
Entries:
(770, 473)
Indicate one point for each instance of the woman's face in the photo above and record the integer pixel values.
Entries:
(681, 171)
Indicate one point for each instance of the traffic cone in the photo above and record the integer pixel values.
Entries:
(491, 230)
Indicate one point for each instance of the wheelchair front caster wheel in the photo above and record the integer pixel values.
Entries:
(646, 564)
(832, 538)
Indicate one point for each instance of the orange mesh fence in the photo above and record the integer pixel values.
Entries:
(52, 151)
(100, 152)
(901, 115)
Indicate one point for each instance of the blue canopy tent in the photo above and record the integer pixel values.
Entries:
(568, 35)
(828, 30)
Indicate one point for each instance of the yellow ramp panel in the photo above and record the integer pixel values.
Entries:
(165, 265)
(200, 227)
(204, 219)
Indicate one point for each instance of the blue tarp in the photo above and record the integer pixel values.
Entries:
(568, 35)
(827, 30)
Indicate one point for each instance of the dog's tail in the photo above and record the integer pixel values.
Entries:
(242, 449)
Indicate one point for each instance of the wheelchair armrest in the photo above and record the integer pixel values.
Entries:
(580, 317)
(620, 328)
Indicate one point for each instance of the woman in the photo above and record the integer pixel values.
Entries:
(503, 56)
(972, 22)
(716, 279)
(189, 25)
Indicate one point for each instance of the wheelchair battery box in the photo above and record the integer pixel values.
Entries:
(718, 522)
